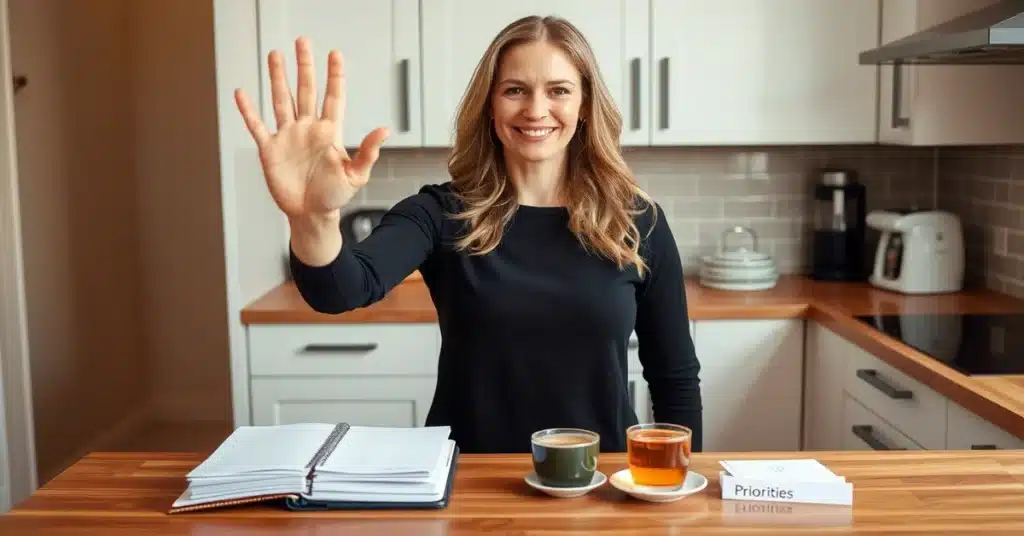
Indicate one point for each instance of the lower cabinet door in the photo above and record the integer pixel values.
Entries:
(863, 430)
(392, 401)
(967, 431)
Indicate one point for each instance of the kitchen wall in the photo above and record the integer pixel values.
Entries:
(706, 190)
(80, 238)
(121, 217)
(985, 186)
(178, 172)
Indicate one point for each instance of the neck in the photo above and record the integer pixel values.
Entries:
(538, 183)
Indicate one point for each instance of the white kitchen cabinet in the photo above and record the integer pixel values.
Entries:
(456, 33)
(967, 431)
(913, 408)
(371, 374)
(380, 42)
(371, 401)
(344, 349)
(945, 104)
(865, 430)
(751, 373)
(730, 72)
(825, 360)
(856, 400)
(839, 368)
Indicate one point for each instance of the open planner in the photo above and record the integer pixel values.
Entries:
(313, 466)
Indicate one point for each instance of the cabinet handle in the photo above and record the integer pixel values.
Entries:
(632, 394)
(633, 344)
(863, 431)
(338, 348)
(20, 81)
(663, 93)
(984, 447)
(871, 377)
(403, 102)
(898, 121)
(634, 88)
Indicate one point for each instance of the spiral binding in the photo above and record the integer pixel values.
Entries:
(325, 451)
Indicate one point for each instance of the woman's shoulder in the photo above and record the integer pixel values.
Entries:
(437, 199)
(442, 193)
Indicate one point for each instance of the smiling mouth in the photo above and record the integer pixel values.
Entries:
(535, 132)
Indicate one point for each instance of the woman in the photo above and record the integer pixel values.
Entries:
(541, 254)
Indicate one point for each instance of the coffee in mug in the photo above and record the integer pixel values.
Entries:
(659, 454)
(565, 457)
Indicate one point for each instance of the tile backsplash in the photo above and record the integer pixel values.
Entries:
(985, 187)
(707, 190)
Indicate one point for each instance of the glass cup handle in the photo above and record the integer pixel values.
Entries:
(592, 465)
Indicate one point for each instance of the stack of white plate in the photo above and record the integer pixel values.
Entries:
(738, 268)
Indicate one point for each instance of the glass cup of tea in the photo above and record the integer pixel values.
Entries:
(658, 453)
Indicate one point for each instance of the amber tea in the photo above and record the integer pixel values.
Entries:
(659, 454)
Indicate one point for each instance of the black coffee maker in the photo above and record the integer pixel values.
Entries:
(838, 250)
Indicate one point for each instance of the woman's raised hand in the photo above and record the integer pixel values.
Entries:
(308, 171)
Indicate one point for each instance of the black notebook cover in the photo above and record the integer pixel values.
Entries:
(301, 504)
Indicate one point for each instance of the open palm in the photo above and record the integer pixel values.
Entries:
(308, 171)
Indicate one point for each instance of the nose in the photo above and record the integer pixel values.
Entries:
(536, 107)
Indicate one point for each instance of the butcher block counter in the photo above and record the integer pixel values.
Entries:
(905, 492)
(794, 296)
(998, 399)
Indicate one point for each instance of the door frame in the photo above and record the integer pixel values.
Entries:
(18, 475)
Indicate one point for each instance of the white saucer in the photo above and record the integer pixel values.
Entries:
(567, 493)
(623, 481)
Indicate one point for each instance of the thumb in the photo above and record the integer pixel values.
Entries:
(369, 150)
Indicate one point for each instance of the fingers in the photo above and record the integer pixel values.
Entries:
(284, 105)
(251, 118)
(305, 103)
(369, 151)
(334, 98)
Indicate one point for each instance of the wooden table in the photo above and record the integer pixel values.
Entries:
(909, 492)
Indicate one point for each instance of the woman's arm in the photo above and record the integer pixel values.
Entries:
(362, 273)
(666, 350)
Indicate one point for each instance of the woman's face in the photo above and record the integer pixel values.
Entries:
(536, 102)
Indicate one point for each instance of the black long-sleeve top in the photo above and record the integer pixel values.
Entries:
(534, 333)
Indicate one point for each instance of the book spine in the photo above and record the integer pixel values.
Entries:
(324, 452)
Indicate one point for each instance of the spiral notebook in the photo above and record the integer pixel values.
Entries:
(326, 466)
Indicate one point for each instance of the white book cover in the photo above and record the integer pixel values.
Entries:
(794, 481)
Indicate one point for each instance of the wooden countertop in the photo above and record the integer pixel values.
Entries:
(794, 296)
(909, 492)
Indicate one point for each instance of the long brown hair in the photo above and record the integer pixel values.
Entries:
(601, 193)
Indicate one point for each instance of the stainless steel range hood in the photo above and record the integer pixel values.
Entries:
(990, 35)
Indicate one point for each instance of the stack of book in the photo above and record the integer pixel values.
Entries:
(792, 481)
(314, 466)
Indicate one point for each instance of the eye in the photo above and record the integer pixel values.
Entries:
(561, 91)
(513, 90)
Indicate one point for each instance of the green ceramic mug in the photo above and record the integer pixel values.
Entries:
(565, 457)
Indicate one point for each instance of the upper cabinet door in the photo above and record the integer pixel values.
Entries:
(380, 44)
(456, 33)
(945, 104)
(756, 71)
(899, 19)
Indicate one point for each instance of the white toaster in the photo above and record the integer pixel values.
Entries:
(919, 251)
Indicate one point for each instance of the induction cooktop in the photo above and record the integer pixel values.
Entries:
(974, 344)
